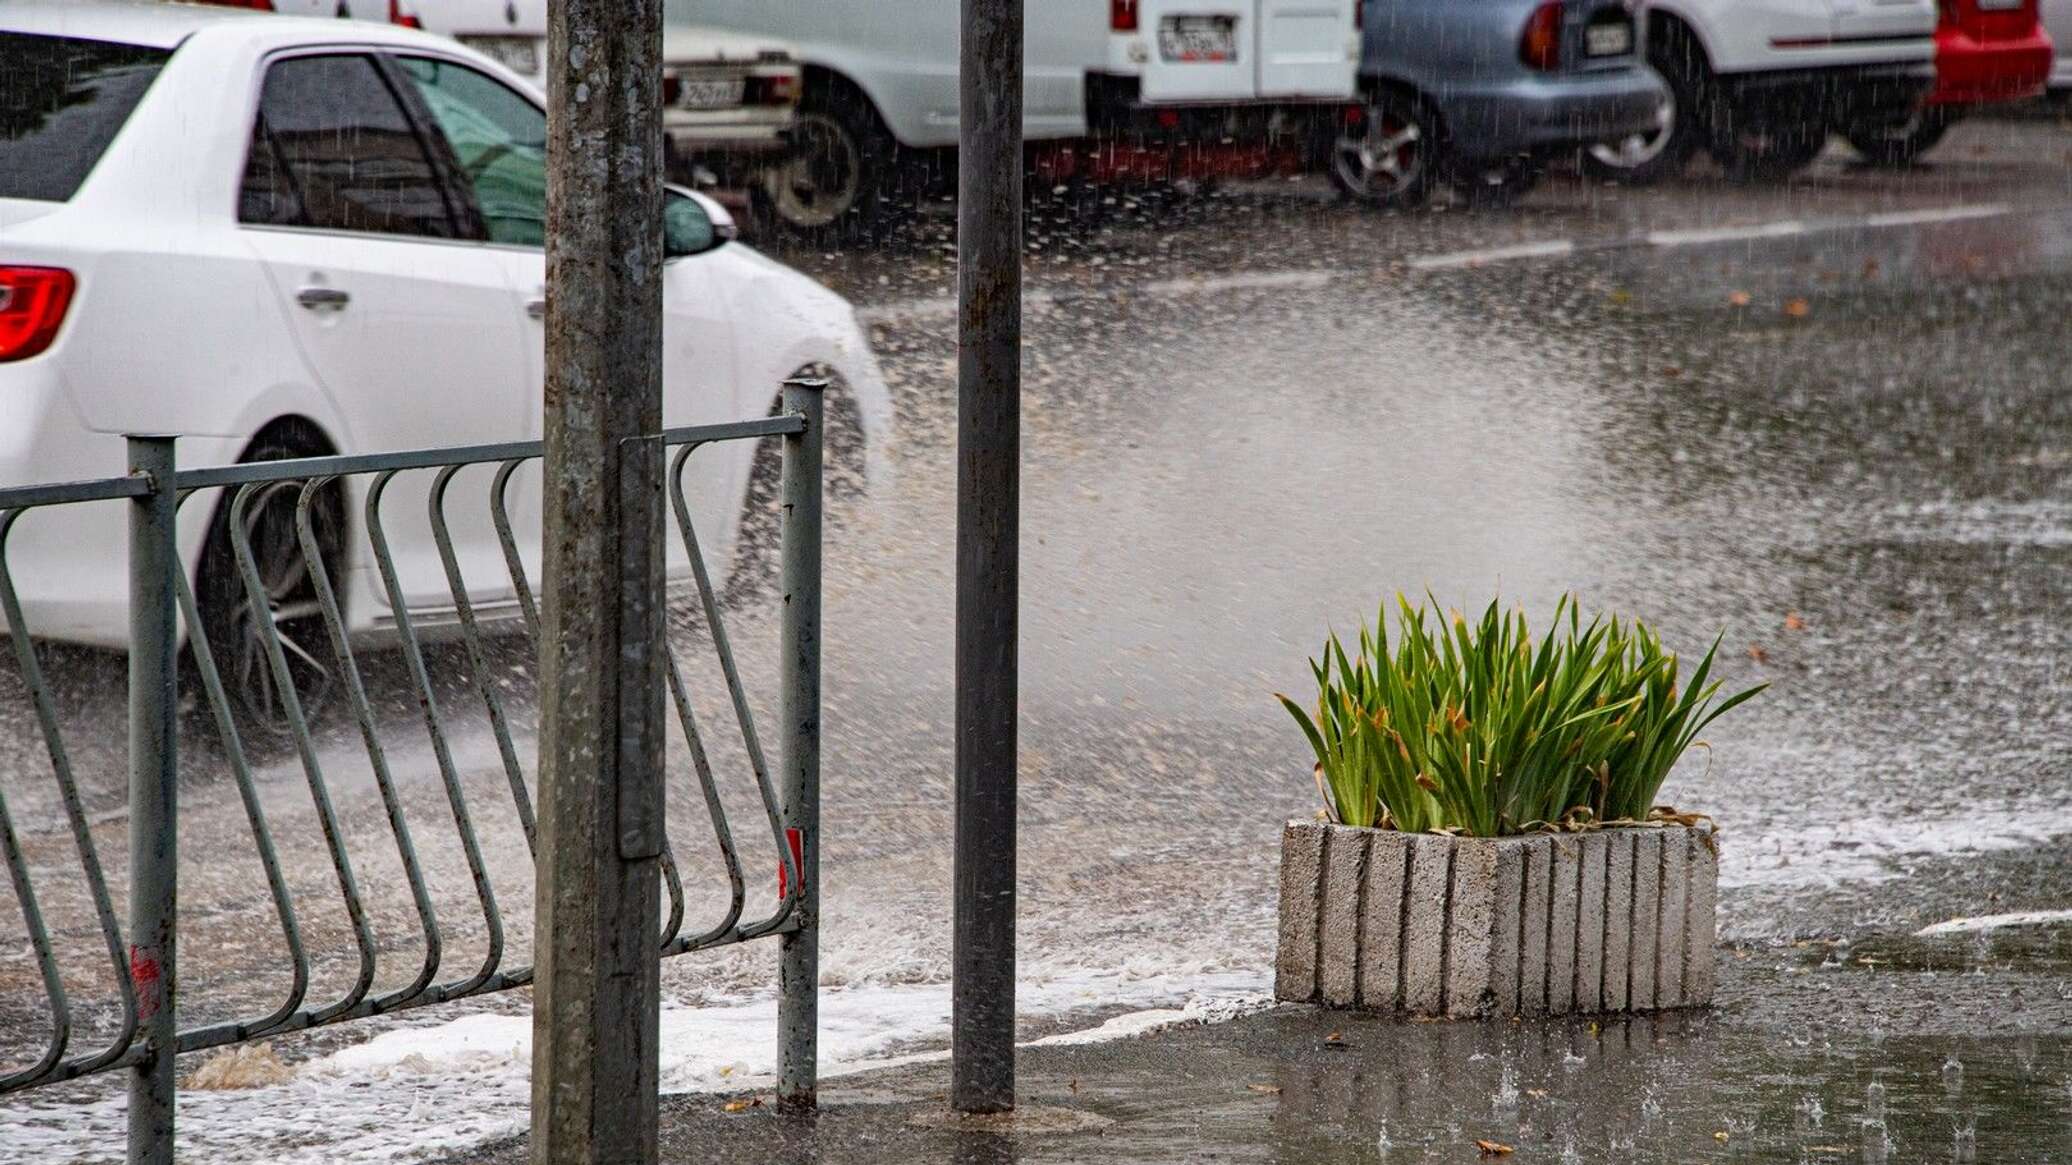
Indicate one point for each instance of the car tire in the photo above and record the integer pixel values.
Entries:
(1645, 159)
(758, 541)
(1903, 144)
(1390, 160)
(236, 643)
(835, 183)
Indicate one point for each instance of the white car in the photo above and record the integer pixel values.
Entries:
(2057, 20)
(280, 237)
(1760, 84)
(728, 98)
(881, 82)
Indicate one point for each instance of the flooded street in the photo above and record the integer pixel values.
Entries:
(1830, 420)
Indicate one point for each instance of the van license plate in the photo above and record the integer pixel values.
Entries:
(1608, 40)
(714, 94)
(1198, 39)
(520, 54)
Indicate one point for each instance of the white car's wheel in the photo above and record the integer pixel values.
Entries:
(236, 622)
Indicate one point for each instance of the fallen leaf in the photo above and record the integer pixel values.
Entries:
(742, 1105)
(1494, 1149)
(1594, 1029)
(1797, 309)
(1672, 372)
(1265, 1089)
(1536, 1093)
(1739, 298)
(1620, 296)
(1792, 622)
(1074, 1085)
(1756, 653)
(1720, 1136)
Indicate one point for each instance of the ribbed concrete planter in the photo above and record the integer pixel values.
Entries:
(1618, 919)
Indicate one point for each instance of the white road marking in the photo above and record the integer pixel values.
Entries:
(1259, 281)
(1908, 218)
(1545, 249)
(1988, 922)
(1702, 236)
(945, 307)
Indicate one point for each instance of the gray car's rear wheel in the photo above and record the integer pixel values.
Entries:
(1664, 149)
(1390, 158)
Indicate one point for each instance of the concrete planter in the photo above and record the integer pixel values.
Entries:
(1619, 919)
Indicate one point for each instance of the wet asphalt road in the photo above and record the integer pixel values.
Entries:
(1253, 414)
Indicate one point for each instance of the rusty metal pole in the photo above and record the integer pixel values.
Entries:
(154, 816)
(989, 391)
(596, 995)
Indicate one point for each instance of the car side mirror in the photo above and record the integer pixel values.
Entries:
(693, 224)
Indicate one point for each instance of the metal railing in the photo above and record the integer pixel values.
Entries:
(142, 958)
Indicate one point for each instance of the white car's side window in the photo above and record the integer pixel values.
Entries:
(332, 149)
(499, 141)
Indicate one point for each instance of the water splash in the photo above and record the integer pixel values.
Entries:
(1810, 1113)
(1964, 1140)
(1504, 1101)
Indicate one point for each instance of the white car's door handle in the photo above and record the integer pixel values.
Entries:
(536, 308)
(323, 298)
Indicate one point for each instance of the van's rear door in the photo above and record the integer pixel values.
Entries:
(1307, 48)
(1201, 50)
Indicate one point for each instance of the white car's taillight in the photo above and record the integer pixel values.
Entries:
(32, 306)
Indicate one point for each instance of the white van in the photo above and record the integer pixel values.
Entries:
(881, 80)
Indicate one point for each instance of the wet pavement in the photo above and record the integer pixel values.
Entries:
(1250, 415)
(1298, 1086)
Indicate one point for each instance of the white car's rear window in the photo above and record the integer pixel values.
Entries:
(62, 101)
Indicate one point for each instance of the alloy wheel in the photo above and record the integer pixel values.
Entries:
(287, 608)
(1386, 159)
(823, 179)
(1638, 149)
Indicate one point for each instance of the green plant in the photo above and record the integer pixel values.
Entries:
(1476, 729)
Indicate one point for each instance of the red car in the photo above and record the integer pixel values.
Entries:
(1986, 52)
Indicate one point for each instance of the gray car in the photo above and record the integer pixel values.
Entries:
(1480, 93)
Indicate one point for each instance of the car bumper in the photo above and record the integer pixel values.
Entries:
(1115, 108)
(1852, 95)
(68, 563)
(1547, 114)
(1972, 71)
